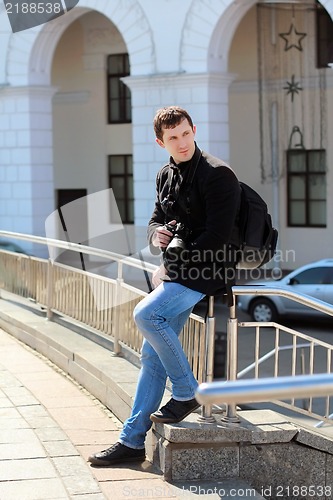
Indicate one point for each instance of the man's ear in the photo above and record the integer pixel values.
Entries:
(194, 129)
(159, 142)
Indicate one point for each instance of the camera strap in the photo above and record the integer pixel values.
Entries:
(172, 183)
(189, 185)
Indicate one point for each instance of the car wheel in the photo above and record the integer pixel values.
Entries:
(263, 310)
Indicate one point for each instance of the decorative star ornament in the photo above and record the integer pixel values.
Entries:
(293, 88)
(293, 38)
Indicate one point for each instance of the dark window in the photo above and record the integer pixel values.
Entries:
(306, 185)
(65, 196)
(121, 181)
(70, 217)
(119, 95)
(315, 276)
(324, 37)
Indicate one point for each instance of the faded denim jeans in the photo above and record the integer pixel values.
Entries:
(160, 317)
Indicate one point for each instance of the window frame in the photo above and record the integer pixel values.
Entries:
(325, 277)
(307, 175)
(127, 176)
(324, 37)
(124, 92)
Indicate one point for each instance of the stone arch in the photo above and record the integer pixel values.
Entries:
(209, 30)
(208, 33)
(30, 52)
(328, 4)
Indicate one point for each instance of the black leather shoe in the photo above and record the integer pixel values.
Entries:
(116, 454)
(174, 411)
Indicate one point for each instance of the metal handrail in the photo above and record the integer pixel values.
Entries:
(232, 327)
(317, 304)
(265, 389)
(76, 247)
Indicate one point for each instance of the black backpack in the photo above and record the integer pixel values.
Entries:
(254, 238)
(257, 238)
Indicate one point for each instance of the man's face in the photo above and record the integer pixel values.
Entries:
(179, 141)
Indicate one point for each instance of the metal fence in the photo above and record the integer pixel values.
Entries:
(101, 303)
(106, 305)
(279, 351)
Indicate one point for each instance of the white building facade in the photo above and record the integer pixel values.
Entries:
(56, 136)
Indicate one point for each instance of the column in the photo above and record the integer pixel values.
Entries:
(26, 158)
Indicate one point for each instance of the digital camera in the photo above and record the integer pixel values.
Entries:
(177, 248)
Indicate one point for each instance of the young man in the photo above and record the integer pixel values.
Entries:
(201, 193)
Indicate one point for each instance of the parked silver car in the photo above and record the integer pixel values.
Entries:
(314, 279)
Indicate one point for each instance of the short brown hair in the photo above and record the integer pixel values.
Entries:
(169, 117)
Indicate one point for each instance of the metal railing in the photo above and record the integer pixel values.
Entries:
(103, 304)
(106, 305)
(266, 389)
(318, 350)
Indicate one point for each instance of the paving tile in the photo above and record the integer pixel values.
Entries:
(20, 396)
(57, 386)
(41, 373)
(13, 423)
(100, 438)
(136, 471)
(8, 413)
(8, 380)
(92, 496)
(51, 434)
(33, 489)
(138, 489)
(41, 422)
(30, 449)
(5, 403)
(81, 484)
(19, 436)
(36, 468)
(66, 402)
(71, 466)
(60, 448)
(16, 391)
(74, 419)
(33, 411)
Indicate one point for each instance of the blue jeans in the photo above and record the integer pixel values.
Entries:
(160, 317)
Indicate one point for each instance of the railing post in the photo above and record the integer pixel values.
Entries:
(232, 353)
(119, 282)
(50, 289)
(206, 413)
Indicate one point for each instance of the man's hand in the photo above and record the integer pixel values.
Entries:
(159, 273)
(162, 236)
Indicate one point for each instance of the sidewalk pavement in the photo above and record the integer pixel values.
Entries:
(49, 425)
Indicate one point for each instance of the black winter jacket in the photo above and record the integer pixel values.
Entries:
(213, 200)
